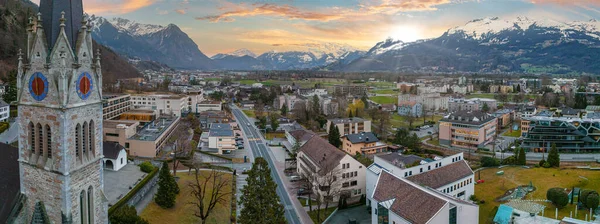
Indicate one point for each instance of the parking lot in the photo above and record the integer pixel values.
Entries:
(424, 132)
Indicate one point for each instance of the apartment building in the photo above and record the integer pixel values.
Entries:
(4, 111)
(474, 104)
(319, 161)
(571, 135)
(350, 89)
(113, 105)
(168, 104)
(150, 139)
(221, 138)
(119, 130)
(208, 105)
(505, 117)
(410, 108)
(348, 126)
(362, 143)
(430, 101)
(467, 129)
(501, 89)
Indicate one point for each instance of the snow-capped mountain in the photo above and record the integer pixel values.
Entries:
(302, 56)
(164, 44)
(237, 53)
(494, 45)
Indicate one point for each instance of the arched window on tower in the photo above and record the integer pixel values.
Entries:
(77, 141)
(92, 138)
(32, 138)
(82, 207)
(84, 139)
(49, 142)
(40, 140)
(90, 202)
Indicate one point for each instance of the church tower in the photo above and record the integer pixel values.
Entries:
(60, 116)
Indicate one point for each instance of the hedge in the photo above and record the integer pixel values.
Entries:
(146, 167)
(558, 196)
(133, 191)
(4, 126)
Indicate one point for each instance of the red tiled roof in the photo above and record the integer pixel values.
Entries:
(444, 175)
(411, 203)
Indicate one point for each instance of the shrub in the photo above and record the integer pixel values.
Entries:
(487, 161)
(126, 215)
(592, 200)
(546, 165)
(473, 198)
(511, 160)
(541, 163)
(146, 167)
(558, 197)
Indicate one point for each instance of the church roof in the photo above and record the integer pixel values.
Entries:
(52, 12)
(9, 179)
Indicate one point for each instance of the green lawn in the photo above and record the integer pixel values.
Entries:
(400, 121)
(324, 214)
(385, 91)
(249, 113)
(183, 211)
(304, 200)
(384, 99)
(515, 134)
(542, 179)
(434, 142)
(381, 84)
(481, 95)
(302, 83)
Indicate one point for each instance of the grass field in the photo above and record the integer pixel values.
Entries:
(386, 91)
(384, 99)
(183, 211)
(400, 121)
(272, 135)
(249, 113)
(381, 84)
(324, 214)
(542, 178)
(491, 96)
(514, 134)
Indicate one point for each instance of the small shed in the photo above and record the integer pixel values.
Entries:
(115, 156)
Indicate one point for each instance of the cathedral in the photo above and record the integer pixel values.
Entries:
(60, 118)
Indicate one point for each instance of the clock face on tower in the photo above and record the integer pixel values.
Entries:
(38, 86)
(84, 85)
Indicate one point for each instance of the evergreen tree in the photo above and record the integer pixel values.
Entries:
(597, 100)
(365, 100)
(553, 156)
(316, 105)
(522, 160)
(284, 110)
(350, 114)
(126, 215)
(518, 88)
(259, 201)
(165, 196)
(485, 108)
(334, 136)
(580, 100)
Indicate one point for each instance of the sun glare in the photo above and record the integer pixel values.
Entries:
(406, 33)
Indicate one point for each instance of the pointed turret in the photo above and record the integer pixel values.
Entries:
(51, 12)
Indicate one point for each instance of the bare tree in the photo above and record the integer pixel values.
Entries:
(328, 184)
(208, 190)
(182, 145)
(410, 119)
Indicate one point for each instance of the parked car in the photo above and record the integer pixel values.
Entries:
(295, 178)
(303, 191)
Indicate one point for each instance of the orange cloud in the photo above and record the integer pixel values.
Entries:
(114, 6)
(180, 11)
(567, 2)
(270, 9)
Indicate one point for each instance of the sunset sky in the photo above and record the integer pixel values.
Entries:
(219, 26)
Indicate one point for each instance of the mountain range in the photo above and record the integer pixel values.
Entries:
(165, 44)
(493, 45)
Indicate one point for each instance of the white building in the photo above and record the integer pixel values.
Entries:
(352, 125)
(221, 138)
(257, 85)
(168, 104)
(115, 156)
(430, 101)
(451, 175)
(208, 105)
(4, 111)
(398, 200)
(321, 161)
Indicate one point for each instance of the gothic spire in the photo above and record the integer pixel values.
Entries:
(51, 19)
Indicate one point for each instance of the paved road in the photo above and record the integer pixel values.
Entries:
(10, 135)
(259, 149)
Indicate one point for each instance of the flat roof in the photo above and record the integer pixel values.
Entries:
(113, 95)
(346, 120)
(114, 123)
(154, 129)
(139, 111)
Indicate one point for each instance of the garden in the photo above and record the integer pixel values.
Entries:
(533, 185)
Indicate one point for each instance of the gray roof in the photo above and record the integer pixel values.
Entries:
(346, 120)
(444, 175)
(3, 103)
(220, 126)
(400, 160)
(363, 137)
(220, 130)
(9, 179)
(469, 117)
(111, 149)
(325, 155)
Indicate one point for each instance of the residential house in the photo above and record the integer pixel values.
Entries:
(208, 105)
(319, 162)
(505, 117)
(349, 125)
(410, 108)
(474, 104)
(299, 136)
(362, 143)
(221, 138)
(568, 112)
(207, 118)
